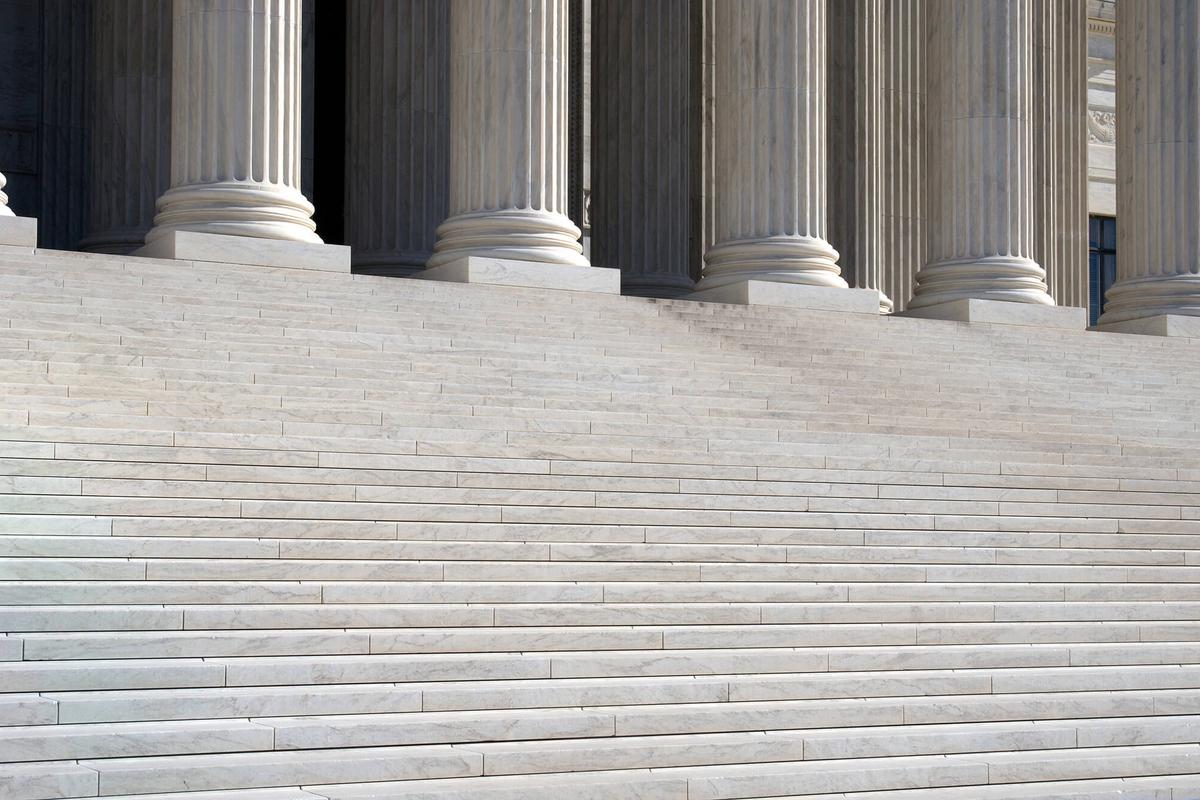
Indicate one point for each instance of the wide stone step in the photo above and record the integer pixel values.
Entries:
(253, 770)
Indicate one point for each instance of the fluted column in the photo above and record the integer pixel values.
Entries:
(854, 128)
(643, 121)
(130, 112)
(235, 122)
(1158, 173)
(770, 192)
(1060, 147)
(508, 134)
(980, 138)
(397, 127)
(903, 148)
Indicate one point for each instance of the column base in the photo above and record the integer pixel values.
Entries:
(18, 232)
(221, 248)
(526, 274)
(792, 295)
(1179, 325)
(1002, 312)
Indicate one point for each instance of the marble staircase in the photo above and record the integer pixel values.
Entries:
(284, 535)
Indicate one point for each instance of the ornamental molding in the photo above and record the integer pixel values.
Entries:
(1103, 27)
(1102, 127)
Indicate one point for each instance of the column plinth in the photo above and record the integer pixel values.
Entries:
(508, 135)
(769, 116)
(15, 231)
(235, 135)
(1158, 181)
(980, 137)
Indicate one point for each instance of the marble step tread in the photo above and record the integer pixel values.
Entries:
(51, 676)
(39, 646)
(255, 770)
(76, 741)
(19, 620)
(308, 699)
(15, 545)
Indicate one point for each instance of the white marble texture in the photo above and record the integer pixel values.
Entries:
(980, 202)
(221, 248)
(770, 199)
(1158, 174)
(999, 312)
(18, 232)
(508, 134)
(759, 292)
(528, 274)
(235, 150)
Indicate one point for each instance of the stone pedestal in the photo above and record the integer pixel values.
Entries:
(397, 131)
(130, 105)
(793, 295)
(527, 274)
(770, 189)
(980, 137)
(235, 131)
(223, 249)
(1000, 312)
(15, 231)
(508, 135)
(1158, 188)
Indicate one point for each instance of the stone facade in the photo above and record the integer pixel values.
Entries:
(930, 153)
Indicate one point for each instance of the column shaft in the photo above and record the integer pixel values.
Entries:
(903, 157)
(65, 127)
(642, 161)
(1060, 147)
(855, 116)
(770, 145)
(1158, 175)
(397, 127)
(508, 134)
(980, 138)
(235, 122)
(130, 112)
